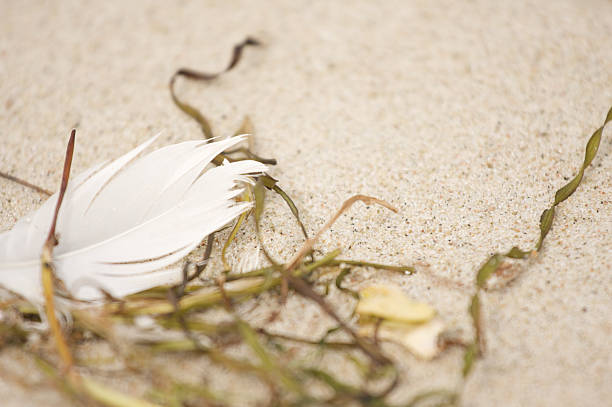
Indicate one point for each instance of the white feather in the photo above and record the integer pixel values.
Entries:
(122, 224)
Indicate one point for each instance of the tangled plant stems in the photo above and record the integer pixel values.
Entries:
(182, 308)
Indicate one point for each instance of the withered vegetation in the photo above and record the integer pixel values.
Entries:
(199, 318)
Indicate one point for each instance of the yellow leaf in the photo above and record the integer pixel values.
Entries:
(390, 303)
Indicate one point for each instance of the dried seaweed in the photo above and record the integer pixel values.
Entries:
(340, 278)
(203, 76)
(232, 236)
(496, 261)
(183, 308)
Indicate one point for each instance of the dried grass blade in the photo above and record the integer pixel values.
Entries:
(197, 75)
(46, 261)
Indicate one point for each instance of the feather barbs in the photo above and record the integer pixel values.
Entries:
(131, 218)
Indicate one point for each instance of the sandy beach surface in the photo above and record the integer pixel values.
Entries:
(466, 116)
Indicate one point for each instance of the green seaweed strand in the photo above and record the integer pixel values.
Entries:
(546, 220)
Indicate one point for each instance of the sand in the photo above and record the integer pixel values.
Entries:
(467, 116)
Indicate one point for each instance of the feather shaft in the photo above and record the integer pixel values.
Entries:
(123, 223)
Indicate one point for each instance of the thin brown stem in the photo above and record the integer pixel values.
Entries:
(25, 184)
(309, 243)
(48, 278)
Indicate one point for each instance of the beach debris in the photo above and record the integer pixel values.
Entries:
(387, 313)
(182, 309)
(496, 262)
(123, 223)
